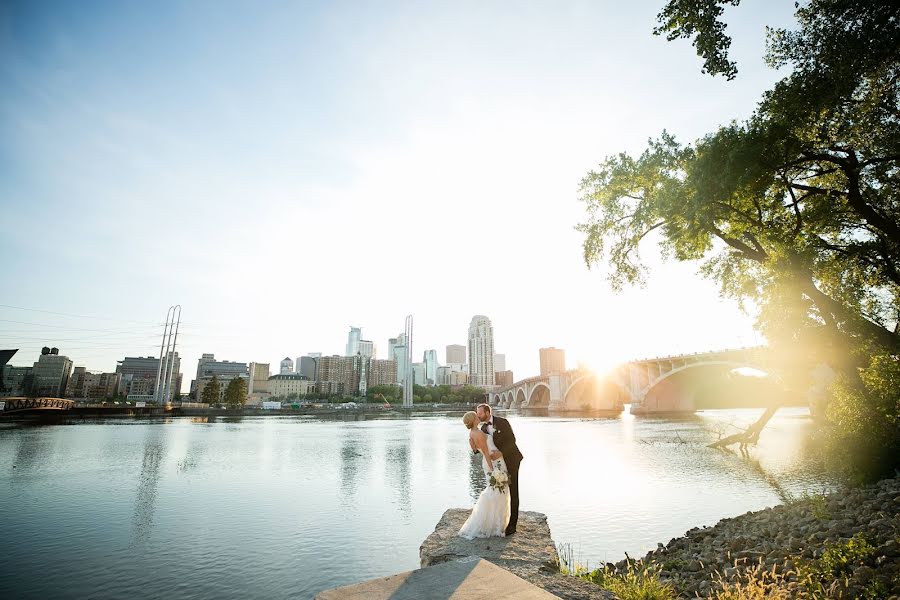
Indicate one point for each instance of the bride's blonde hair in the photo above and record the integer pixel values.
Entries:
(469, 419)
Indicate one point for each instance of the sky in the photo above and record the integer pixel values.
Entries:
(287, 170)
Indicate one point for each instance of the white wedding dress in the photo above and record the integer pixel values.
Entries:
(490, 515)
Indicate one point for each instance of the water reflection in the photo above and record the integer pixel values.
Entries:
(398, 467)
(354, 452)
(32, 448)
(145, 498)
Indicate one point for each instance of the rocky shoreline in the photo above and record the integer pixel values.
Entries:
(846, 544)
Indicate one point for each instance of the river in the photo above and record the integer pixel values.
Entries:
(283, 507)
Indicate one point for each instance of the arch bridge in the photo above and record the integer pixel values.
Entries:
(21, 404)
(649, 385)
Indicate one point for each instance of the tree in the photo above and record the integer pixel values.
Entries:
(236, 393)
(212, 391)
(795, 211)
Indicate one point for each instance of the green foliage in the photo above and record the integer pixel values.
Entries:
(700, 19)
(863, 437)
(212, 391)
(390, 393)
(838, 561)
(638, 582)
(236, 393)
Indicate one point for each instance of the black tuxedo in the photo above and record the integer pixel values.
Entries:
(505, 440)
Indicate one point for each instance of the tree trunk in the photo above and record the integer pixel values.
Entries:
(751, 435)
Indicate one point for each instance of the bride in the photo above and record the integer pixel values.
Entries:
(490, 516)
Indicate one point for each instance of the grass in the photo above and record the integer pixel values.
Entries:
(638, 582)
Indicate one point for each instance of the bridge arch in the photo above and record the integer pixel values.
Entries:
(538, 396)
(591, 391)
(653, 391)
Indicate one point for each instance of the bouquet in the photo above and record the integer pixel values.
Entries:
(499, 478)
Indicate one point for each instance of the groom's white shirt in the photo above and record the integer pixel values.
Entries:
(490, 426)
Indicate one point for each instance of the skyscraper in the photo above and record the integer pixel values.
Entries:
(353, 341)
(499, 362)
(456, 354)
(553, 360)
(431, 367)
(366, 348)
(287, 366)
(481, 352)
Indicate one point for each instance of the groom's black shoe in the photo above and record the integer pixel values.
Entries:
(510, 531)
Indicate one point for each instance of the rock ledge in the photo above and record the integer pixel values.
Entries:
(530, 553)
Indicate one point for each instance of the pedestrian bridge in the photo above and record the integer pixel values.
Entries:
(21, 404)
(650, 385)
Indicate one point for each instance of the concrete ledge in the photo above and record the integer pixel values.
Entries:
(472, 579)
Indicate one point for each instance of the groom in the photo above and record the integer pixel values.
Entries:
(505, 440)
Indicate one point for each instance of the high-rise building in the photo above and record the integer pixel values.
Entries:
(481, 352)
(51, 374)
(419, 374)
(397, 348)
(335, 374)
(353, 339)
(456, 354)
(553, 361)
(258, 384)
(382, 372)
(503, 378)
(286, 367)
(366, 348)
(499, 362)
(306, 366)
(431, 367)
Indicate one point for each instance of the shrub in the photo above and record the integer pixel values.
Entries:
(863, 430)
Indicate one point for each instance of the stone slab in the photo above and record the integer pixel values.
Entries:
(530, 553)
(468, 579)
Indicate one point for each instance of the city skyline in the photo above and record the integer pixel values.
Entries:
(131, 183)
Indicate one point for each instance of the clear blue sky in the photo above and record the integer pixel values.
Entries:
(285, 170)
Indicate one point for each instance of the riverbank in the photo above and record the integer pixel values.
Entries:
(843, 545)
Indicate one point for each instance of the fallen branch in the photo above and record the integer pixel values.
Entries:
(748, 437)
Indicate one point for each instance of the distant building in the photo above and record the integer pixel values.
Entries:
(16, 381)
(138, 375)
(366, 348)
(382, 372)
(335, 375)
(445, 373)
(287, 366)
(481, 352)
(419, 374)
(456, 354)
(499, 362)
(397, 352)
(353, 339)
(553, 361)
(92, 386)
(258, 384)
(50, 374)
(306, 366)
(283, 385)
(223, 370)
(431, 367)
(459, 378)
(503, 378)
